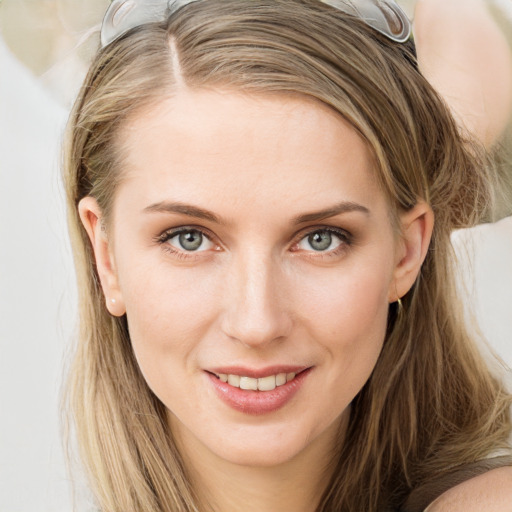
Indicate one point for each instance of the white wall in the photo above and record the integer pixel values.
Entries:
(36, 295)
(486, 254)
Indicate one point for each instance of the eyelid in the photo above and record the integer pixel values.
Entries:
(170, 233)
(345, 236)
(314, 229)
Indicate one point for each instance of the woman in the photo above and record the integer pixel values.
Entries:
(268, 318)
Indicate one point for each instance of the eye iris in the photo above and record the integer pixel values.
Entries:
(320, 241)
(191, 240)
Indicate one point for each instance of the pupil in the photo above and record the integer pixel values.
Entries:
(191, 240)
(320, 241)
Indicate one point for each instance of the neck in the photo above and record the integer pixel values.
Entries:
(297, 484)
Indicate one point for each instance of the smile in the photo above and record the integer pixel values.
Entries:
(268, 383)
(257, 391)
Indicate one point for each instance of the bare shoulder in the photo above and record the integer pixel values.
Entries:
(491, 492)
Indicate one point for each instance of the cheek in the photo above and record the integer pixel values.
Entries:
(349, 302)
(347, 315)
(168, 311)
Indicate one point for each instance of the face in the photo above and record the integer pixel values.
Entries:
(250, 242)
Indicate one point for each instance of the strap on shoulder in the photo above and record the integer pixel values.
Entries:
(423, 496)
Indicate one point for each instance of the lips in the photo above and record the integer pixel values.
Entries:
(257, 391)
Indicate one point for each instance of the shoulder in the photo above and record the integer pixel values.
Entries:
(491, 492)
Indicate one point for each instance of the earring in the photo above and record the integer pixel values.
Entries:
(115, 306)
(400, 306)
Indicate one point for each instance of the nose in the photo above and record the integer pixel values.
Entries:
(255, 312)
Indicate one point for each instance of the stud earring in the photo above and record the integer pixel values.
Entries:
(115, 307)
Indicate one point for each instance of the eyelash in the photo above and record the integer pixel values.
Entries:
(344, 236)
(346, 240)
(172, 233)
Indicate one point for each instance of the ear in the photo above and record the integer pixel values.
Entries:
(416, 230)
(91, 217)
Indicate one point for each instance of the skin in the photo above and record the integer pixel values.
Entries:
(466, 57)
(491, 492)
(256, 293)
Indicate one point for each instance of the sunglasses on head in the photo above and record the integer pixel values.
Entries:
(385, 16)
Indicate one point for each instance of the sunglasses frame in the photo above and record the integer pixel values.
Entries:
(385, 16)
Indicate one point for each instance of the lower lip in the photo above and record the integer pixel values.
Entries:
(258, 402)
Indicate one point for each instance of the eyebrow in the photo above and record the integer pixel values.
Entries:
(184, 209)
(200, 213)
(343, 207)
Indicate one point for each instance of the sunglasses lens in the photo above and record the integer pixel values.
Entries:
(123, 15)
(384, 16)
(120, 12)
(394, 22)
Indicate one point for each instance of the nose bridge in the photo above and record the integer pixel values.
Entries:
(255, 314)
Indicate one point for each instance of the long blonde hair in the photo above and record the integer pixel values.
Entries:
(431, 402)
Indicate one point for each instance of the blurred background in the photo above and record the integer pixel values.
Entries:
(45, 48)
(55, 39)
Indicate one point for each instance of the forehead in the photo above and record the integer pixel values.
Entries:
(230, 148)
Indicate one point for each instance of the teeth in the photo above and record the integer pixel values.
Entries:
(267, 383)
(234, 380)
(280, 379)
(263, 384)
(248, 383)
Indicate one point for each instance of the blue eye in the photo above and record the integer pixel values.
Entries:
(190, 240)
(323, 240)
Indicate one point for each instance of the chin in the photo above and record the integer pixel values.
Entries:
(273, 444)
(260, 453)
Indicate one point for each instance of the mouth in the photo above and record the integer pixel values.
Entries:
(258, 392)
(268, 383)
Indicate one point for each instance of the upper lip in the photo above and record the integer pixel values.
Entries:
(257, 373)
